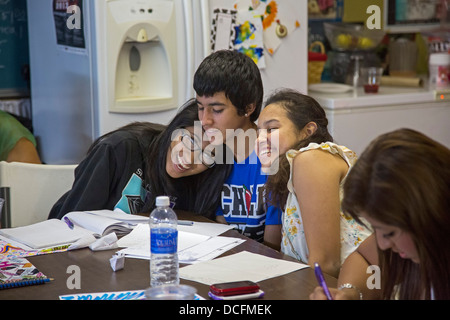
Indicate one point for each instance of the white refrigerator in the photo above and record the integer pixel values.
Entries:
(99, 64)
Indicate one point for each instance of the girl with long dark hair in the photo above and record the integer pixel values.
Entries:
(306, 172)
(128, 168)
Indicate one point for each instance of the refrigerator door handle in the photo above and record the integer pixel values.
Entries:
(206, 25)
(189, 27)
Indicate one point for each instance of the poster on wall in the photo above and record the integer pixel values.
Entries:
(69, 25)
(249, 37)
(253, 27)
(245, 35)
(278, 20)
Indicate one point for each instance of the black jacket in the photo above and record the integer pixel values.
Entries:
(103, 175)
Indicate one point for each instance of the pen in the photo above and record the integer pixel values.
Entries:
(69, 223)
(321, 280)
(185, 223)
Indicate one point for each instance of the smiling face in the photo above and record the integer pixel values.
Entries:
(276, 135)
(394, 238)
(184, 157)
(217, 115)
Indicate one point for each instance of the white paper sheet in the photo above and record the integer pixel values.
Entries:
(223, 27)
(208, 250)
(198, 245)
(137, 242)
(119, 215)
(206, 228)
(237, 267)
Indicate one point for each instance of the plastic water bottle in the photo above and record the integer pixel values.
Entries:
(163, 244)
(439, 70)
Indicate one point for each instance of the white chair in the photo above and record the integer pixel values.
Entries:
(31, 190)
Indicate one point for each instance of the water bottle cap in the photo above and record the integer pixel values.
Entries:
(162, 201)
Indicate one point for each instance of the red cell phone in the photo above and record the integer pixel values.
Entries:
(234, 288)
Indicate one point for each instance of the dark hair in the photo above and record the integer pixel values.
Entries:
(300, 109)
(235, 74)
(144, 131)
(201, 191)
(402, 179)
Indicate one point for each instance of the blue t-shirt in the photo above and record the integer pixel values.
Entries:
(242, 199)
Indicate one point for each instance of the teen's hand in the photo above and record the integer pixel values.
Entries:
(345, 294)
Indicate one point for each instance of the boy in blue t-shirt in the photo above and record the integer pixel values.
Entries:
(229, 93)
(243, 202)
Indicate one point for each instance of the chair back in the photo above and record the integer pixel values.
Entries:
(31, 190)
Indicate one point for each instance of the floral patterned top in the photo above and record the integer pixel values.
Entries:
(293, 235)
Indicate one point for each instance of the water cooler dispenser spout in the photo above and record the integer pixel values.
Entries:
(142, 36)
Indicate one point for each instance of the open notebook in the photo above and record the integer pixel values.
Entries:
(103, 222)
(54, 232)
(45, 234)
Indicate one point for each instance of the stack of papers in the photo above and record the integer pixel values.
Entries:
(193, 247)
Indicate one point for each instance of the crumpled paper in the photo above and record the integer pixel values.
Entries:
(105, 243)
(82, 242)
(117, 261)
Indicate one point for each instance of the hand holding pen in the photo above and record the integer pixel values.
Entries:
(321, 281)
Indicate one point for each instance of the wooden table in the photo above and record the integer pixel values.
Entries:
(98, 276)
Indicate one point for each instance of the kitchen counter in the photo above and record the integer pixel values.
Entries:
(385, 96)
(355, 118)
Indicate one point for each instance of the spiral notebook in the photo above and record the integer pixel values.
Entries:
(19, 272)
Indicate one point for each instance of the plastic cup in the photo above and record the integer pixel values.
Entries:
(171, 292)
(371, 79)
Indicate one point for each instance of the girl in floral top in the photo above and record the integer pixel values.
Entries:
(297, 151)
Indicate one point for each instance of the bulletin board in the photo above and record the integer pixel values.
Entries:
(14, 54)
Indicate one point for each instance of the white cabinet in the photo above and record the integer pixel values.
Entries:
(356, 118)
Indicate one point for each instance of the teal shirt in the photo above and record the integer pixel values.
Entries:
(11, 131)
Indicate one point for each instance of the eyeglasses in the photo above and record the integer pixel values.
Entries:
(207, 158)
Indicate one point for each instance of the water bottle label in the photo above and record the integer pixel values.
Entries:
(164, 240)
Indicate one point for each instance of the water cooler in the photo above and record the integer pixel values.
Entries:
(141, 56)
(131, 67)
